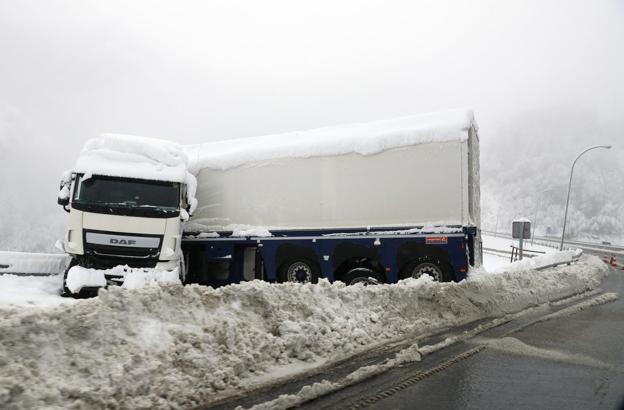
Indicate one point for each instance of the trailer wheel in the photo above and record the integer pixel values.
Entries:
(363, 276)
(438, 270)
(300, 270)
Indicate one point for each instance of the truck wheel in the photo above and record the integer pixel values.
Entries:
(364, 276)
(83, 293)
(301, 271)
(438, 270)
(66, 292)
(183, 272)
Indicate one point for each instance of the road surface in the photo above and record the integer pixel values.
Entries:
(572, 362)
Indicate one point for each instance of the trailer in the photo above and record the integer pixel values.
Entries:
(363, 203)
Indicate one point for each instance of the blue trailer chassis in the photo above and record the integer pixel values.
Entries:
(223, 260)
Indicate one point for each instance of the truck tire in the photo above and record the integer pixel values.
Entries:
(66, 292)
(83, 293)
(363, 276)
(183, 272)
(300, 271)
(440, 271)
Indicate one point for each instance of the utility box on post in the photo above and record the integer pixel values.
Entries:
(521, 230)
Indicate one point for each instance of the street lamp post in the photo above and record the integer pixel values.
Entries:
(565, 216)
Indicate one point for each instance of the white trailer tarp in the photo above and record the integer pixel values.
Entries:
(427, 181)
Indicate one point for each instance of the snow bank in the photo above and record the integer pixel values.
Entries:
(362, 138)
(194, 345)
(137, 157)
(33, 263)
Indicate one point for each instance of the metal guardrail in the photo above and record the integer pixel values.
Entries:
(594, 245)
(515, 253)
(574, 258)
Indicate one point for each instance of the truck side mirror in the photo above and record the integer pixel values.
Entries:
(64, 202)
(63, 197)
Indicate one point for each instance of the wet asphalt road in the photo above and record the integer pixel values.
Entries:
(578, 364)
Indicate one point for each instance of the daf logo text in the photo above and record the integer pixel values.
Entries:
(122, 241)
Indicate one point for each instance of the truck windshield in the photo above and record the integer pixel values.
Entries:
(126, 196)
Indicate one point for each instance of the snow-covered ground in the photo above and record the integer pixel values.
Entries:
(17, 290)
(492, 262)
(497, 260)
(30, 291)
(505, 244)
(165, 346)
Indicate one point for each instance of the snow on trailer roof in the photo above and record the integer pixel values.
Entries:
(362, 138)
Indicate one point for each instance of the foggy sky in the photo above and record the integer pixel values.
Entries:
(201, 71)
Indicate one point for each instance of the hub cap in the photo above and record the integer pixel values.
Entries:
(299, 272)
(364, 281)
(427, 269)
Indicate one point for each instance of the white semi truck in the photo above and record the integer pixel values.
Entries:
(372, 202)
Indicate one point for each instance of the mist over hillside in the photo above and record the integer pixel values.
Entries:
(32, 164)
(525, 169)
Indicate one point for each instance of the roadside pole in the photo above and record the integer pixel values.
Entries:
(521, 230)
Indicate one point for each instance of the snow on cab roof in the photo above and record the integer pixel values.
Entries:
(362, 138)
(130, 156)
(133, 157)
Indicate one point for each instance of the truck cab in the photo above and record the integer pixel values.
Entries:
(127, 199)
(117, 221)
(122, 221)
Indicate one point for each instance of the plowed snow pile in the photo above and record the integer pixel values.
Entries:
(171, 346)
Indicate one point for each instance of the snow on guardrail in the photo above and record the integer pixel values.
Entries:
(33, 263)
(542, 262)
(174, 346)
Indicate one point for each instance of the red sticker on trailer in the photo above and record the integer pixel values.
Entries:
(436, 240)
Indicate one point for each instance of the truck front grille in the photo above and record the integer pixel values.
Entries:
(106, 256)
